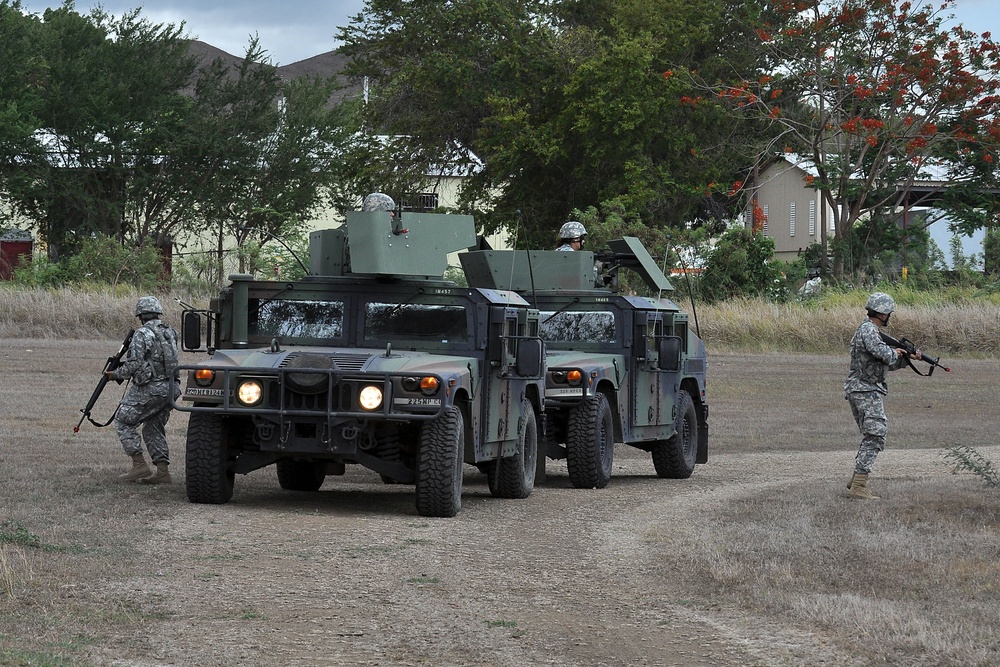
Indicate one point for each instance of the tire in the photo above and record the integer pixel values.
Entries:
(296, 475)
(514, 476)
(209, 468)
(675, 458)
(439, 466)
(590, 443)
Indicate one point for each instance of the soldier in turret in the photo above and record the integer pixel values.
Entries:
(379, 201)
(871, 359)
(572, 236)
(151, 360)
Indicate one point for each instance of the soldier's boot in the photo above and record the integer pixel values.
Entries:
(851, 483)
(161, 476)
(139, 469)
(859, 488)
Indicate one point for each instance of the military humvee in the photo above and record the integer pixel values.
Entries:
(620, 368)
(372, 359)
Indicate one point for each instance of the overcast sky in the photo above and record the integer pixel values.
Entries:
(288, 31)
(299, 29)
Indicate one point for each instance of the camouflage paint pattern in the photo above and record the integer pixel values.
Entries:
(151, 359)
(871, 360)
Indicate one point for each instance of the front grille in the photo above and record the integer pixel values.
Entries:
(347, 362)
(343, 398)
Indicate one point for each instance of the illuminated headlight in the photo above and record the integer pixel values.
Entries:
(203, 377)
(370, 397)
(249, 392)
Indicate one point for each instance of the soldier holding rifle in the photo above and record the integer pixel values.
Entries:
(871, 359)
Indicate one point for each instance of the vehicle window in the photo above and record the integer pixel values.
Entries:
(418, 321)
(577, 326)
(285, 319)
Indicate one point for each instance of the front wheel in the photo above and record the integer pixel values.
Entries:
(209, 469)
(675, 458)
(439, 466)
(590, 443)
(514, 476)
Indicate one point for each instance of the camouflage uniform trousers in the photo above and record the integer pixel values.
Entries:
(150, 406)
(869, 413)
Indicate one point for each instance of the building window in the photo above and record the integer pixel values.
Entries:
(812, 218)
(764, 229)
(791, 219)
(423, 201)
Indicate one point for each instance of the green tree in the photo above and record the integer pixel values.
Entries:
(110, 102)
(875, 93)
(568, 104)
(266, 151)
(740, 266)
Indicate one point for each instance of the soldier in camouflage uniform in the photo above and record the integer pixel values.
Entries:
(871, 359)
(378, 201)
(151, 360)
(572, 236)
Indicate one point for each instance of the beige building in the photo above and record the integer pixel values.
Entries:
(791, 209)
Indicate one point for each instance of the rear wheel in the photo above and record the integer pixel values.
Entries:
(590, 443)
(294, 475)
(514, 476)
(675, 458)
(439, 467)
(209, 467)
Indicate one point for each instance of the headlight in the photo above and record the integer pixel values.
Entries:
(249, 392)
(573, 377)
(203, 377)
(370, 397)
(429, 385)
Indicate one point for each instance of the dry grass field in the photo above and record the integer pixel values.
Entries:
(759, 559)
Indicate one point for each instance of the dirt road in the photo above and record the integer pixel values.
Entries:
(351, 575)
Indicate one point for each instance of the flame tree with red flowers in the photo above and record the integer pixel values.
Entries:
(876, 94)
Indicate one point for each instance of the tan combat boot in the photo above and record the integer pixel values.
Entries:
(859, 488)
(139, 469)
(851, 483)
(161, 476)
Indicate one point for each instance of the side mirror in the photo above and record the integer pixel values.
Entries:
(668, 350)
(529, 357)
(191, 330)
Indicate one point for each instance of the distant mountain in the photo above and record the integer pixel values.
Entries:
(325, 65)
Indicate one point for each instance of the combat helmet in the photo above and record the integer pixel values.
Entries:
(378, 201)
(880, 303)
(148, 305)
(572, 230)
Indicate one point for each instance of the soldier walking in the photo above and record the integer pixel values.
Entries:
(871, 359)
(149, 364)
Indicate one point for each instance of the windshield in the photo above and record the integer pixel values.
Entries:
(296, 319)
(426, 322)
(588, 326)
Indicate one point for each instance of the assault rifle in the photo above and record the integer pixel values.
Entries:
(911, 349)
(111, 364)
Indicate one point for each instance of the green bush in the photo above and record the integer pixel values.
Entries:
(100, 261)
(739, 266)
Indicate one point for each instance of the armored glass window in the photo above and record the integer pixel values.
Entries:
(577, 326)
(444, 323)
(285, 318)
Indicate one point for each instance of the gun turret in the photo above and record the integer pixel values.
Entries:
(418, 244)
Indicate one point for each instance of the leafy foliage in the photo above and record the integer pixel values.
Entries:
(875, 93)
(965, 458)
(568, 105)
(740, 266)
(100, 260)
(110, 128)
